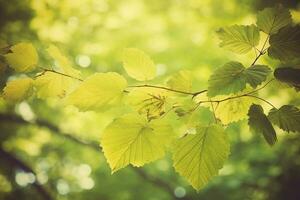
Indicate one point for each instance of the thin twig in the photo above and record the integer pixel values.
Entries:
(60, 73)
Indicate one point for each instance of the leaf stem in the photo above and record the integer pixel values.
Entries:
(168, 89)
(60, 73)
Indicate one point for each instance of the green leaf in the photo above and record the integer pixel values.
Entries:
(287, 118)
(182, 81)
(23, 58)
(270, 20)
(98, 91)
(259, 123)
(138, 65)
(233, 77)
(18, 90)
(131, 139)
(198, 157)
(256, 74)
(239, 39)
(227, 79)
(285, 44)
(233, 110)
(288, 75)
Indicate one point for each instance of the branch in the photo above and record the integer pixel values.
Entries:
(89, 144)
(16, 163)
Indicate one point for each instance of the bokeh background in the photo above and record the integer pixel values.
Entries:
(61, 144)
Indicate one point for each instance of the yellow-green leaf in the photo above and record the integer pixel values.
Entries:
(18, 90)
(138, 65)
(23, 58)
(63, 63)
(198, 157)
(238, 38)
(53, 85)
(98, 91)
(181, 81)
(234, 109)
(131, 139)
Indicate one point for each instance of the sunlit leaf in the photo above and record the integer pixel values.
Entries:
(260, 124)
(270, 20)
(151, 102)
(238, 38)
(285, 44)
(233, 110)
(18, 90)
(63, 63)
(288, 75)
(138, 65)
(131, 139)
(23, 58)
(198, 157)
(181, 81)
(98, 91)
(51, 84)
(287, 118)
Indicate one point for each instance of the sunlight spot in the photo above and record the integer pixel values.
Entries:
(84, 170)
(161, 69)
(179, 192)
(25, 111)
(23, 178)
(83, 61)
(42, 178)
(62, 187)
(163, 165)
(86, 183)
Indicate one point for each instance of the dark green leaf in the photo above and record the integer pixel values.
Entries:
(285, 45)
(287, 118)
(288, 75)
(259, 123)
(239, 39)
(270, 20)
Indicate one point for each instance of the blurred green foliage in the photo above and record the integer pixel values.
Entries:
(178, 35)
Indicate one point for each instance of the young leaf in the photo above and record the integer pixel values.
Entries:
(51, 84)
(227, 79)
(182, 81)
(23, 58)
(138, 65)
(239, 39)
(233, 110)
(287, 118)
(198, 157)
(288, 75)
(285, 44)
(18, 90)
(259, 123)
(148, 101)
(131, 139)
(270, 20)
(256, 74)
(98, 91)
